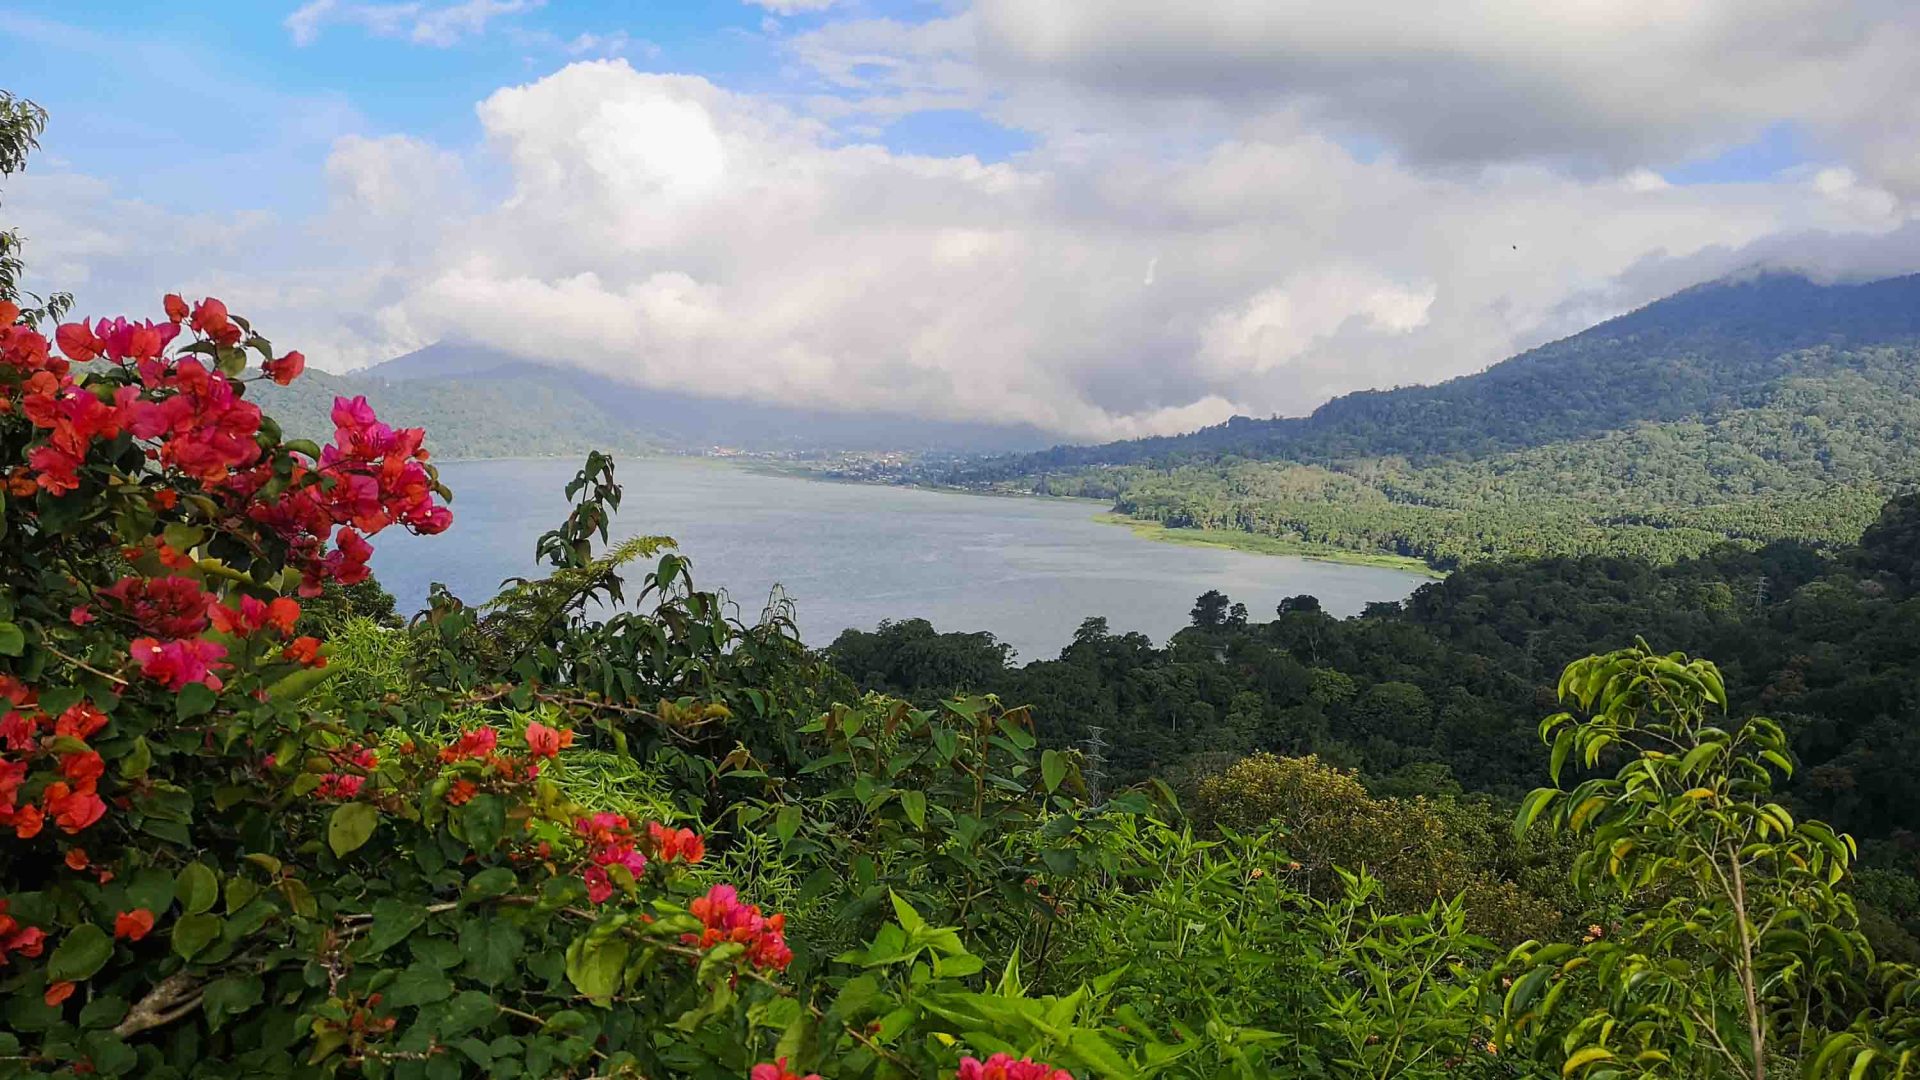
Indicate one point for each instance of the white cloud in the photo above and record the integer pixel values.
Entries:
(1212, 218)
(663, 230)
(793, 7)
(421, 23)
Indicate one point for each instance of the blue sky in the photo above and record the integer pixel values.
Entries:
(163, 99)
(1105, 217)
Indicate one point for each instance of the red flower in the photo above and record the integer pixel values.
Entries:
(80, 721)
(340, 786)
(77, 858)
(26, 821)
(1003, 1067)
(477, 743)
(546, 742)
(80, 616)
(210, 318)
(461, 791)
(176, 307)
(73, 809)
(18, 731)
(599, 885)
(727, 919)
(283, 613)
(58, 992)
(304, 650)
(177, 663)
(172, 607)
(670, 844)
(28, 941)
(286, 369)
(133, 925)
(82, 767)
(778, 1071)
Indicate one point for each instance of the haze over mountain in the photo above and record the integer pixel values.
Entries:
(482, 402)
(1751, 409)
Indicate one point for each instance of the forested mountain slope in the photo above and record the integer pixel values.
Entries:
(483, 403)
(1770, 408)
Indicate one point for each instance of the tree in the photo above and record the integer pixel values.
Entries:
(21, 125)
(1736, 948)
(1210, 610)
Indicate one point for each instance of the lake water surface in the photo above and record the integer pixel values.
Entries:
(1027, 570)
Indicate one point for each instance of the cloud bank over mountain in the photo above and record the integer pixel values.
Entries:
(1246, 208)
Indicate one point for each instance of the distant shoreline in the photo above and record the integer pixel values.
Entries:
(1257, 544)
(1251, 543)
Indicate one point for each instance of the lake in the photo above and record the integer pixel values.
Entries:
(1027, 570)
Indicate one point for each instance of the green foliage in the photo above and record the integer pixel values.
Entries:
(1738, 951)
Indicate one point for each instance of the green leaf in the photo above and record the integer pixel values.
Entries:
(197, 888)
(192, 933)
(420, 984)
(483, 821)
(82, 952)
(351, 825)
(491, 949)
(595, 966)
(915, 804)
(393, 922)
(231, 996)
(467, 1011)
(1536, 801)
(299, 684)
(1053, 769)
(493, 881)
(194, 699)
(13, 641)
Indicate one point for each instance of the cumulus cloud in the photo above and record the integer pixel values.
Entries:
(1212, 217)
(666, 231)
(421, 23)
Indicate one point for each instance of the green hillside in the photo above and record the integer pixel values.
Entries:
(474, 418)
(1768, 409)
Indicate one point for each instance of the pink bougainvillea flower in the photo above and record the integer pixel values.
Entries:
(546, 742)
(1003, 1067)
(177, 663)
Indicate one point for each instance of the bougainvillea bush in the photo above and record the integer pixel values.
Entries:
(213, 865)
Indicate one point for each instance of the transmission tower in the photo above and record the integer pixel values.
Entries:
(1760, 593)
(1093, 751)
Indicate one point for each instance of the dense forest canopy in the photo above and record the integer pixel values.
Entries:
(1439, 696)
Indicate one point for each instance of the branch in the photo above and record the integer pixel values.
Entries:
(169, 1000)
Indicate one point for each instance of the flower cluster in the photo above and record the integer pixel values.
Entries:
(1002, 1067)
(610, 842)
(202, 428)
(371, 476)
(728, 920)
(352, 764)
(68, 794)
